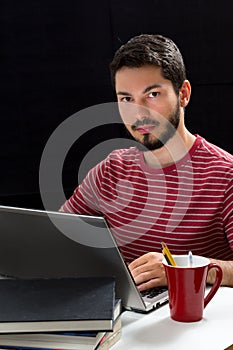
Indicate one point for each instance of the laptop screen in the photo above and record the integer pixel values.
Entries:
(39, 244)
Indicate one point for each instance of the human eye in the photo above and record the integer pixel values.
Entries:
(125, 99)
(153, 94)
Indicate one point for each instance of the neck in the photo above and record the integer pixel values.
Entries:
(175, 149)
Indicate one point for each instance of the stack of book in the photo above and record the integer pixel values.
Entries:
(64, 313)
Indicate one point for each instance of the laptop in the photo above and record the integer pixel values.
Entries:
(47, 244)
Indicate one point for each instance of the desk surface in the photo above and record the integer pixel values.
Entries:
(158, 331)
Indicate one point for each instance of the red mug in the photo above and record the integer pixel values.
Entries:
(187, 284)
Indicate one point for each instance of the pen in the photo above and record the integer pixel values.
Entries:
(190, 259)
(166, 252)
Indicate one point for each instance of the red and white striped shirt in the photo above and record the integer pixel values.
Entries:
(188, 205)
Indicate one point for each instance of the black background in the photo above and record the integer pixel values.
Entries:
(54, 62)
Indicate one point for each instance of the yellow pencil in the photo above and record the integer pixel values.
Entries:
(166, 252)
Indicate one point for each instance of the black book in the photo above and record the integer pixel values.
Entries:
(62, 304)
(70, 340)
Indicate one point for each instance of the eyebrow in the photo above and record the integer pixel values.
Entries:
(147, 89)
(151, 87)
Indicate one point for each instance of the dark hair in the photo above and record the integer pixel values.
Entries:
(151, 49)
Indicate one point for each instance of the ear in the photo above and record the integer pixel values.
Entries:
(185, 93)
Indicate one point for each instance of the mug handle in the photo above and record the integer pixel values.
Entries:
(216, 284)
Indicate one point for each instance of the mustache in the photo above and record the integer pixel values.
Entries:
(145, 121)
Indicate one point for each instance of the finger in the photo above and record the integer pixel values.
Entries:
(145, 258)
(137, 271)
(146, 273)
(150, 265)
(138, 262)
(143, 277)
(155, 282)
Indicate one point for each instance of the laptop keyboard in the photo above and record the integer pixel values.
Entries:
(153, 292)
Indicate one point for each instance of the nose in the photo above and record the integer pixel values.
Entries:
(141, 111)
(130, 112)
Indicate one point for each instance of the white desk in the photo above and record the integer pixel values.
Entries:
(158, 331)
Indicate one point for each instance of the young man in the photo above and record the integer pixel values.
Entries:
(178, 188)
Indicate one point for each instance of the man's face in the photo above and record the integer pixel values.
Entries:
(148, 105)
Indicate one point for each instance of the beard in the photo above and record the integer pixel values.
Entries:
(151, 143)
